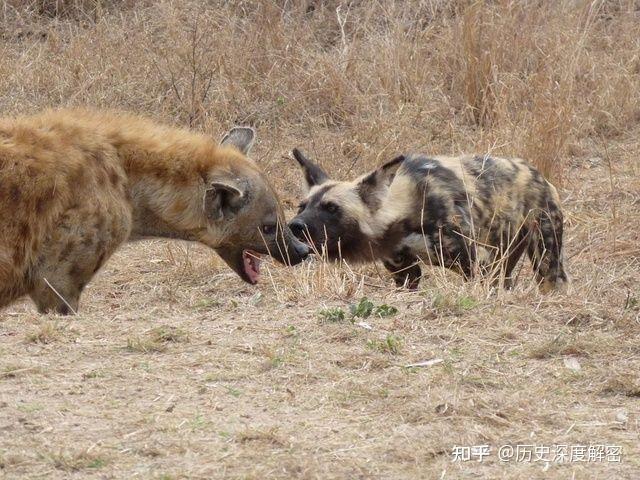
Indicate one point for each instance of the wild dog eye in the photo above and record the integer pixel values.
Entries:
(301, 207)
(330, 207)
(268, 228)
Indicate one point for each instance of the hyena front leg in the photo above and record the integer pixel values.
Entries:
(12, 279)
(72, 254)
(59, 295)
(405, 269)
(545, 250)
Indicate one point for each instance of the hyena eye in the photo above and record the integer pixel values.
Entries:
(330, 207)
(268, 228)
(301, 207)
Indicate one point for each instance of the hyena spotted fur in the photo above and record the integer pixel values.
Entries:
(472, 214)
(76, 184)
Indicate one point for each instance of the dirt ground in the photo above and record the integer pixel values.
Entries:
(175, 369)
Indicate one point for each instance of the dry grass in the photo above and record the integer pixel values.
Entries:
(46, 332)
(175, 369)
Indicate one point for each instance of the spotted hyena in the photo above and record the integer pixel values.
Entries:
(74, 185)
(471, 214)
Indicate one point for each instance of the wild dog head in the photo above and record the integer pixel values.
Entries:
(244, 216)
(340, 218)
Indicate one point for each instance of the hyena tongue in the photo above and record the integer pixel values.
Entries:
(251, 261)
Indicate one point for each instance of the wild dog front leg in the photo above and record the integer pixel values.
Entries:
(405, 269)
(545, 252)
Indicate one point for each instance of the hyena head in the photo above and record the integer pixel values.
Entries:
(339, 219)
(244, 216)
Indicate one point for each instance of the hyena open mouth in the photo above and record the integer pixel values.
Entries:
(251, 262)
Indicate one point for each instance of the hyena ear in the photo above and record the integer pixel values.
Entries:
(240, 137)
(313, 174)
(223, 198)
(380, 178)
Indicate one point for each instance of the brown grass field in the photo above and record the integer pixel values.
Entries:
(176, 369)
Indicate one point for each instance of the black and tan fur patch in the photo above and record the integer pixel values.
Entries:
(472, 214)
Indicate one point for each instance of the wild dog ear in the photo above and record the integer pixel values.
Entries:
(313, 174)
(240, 137)
(223, 198)
(380, 178)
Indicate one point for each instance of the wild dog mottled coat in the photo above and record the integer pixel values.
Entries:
(76, 184)
(471, 214)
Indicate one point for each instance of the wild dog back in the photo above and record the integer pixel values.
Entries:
(474, 212)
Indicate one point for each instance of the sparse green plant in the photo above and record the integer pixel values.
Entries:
(97, 463)
(206, 304)
(362, 309)
(467, 303)
(198, 423)
(96, 373)
(167, 333)
(234, 392)
(290, 331)
(332, 315)
(631, 302)
(385, 310)
(390, 344)
(274, 359)
(451, 304)
(73, 461)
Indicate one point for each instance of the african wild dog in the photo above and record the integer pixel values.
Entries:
(470, 214)
(76, 184)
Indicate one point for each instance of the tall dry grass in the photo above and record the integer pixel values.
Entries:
(354, 82)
